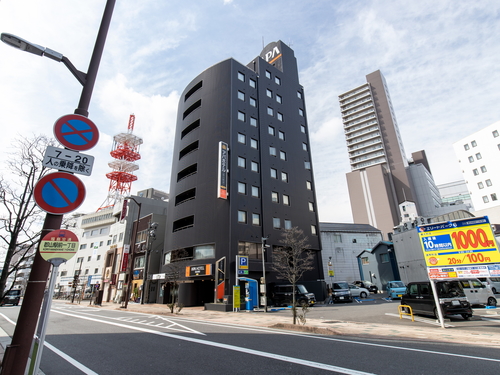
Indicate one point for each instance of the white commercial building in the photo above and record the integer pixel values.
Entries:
(479, 157)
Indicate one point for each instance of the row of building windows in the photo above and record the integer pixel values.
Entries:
(277, 224)
(478, 157)
(255, 192)
(95, 232)
(475, 171)
(486, 199)
(77, 272)
(277, 80)
(89, 258)
(480, 184)
(474, 143)
(89, 220)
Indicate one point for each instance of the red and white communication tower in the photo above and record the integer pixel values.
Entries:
(125, 151)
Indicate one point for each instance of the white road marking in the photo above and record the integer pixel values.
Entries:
(283, 358)
(260, 329)
(73, 361)
(174, 326)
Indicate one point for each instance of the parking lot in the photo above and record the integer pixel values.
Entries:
(378, 309)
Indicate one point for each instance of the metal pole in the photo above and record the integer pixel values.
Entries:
(264, 272)
(17, 353)
(74, 281)
(145, 274)
(95, 60)
(36, 355)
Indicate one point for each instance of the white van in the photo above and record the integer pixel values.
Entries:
(477, 293)
(493, 282)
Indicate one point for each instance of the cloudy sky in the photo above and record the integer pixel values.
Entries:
(440, 59)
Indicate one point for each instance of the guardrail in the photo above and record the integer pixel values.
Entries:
(401, 310)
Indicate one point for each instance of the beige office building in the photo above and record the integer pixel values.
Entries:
(378, 181)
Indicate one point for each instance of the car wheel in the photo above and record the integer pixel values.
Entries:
(492, 301)
(363, 295)
(466, 316)
(302, 302)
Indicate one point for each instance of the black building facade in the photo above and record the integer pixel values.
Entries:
(241, 171)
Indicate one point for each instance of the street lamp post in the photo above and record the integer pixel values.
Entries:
(17, 353)
(263, 239)
(149, 247)
(132, 254)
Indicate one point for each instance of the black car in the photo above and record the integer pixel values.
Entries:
(367, 285)
(283, 295)
(341, 292)
(12, 297)
(451, 296)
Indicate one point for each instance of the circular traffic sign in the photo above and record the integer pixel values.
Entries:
(76, 132)
(59, 193)
(59, 244)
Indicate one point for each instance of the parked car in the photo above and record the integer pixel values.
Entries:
(493, 282)
(12, 297)
(395, 289)
(283, 295)
(367, 285)
(341, 292)
(451, 296)
(356, 291)
(477, 293)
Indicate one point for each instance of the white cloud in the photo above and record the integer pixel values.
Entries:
(440, 60)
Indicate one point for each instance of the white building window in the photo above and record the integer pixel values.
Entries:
(242, 217)
(255, 219)
(286, 200)
(242, 138)
(276, 222)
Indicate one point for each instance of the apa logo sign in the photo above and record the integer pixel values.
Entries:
(273, 54)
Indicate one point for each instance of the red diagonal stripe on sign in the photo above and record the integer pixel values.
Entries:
(76, 131)
(63, 196)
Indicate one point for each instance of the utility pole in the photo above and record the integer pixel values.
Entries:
(17, 353)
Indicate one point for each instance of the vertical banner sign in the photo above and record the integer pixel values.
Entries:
(236, 297)
(220, 269)
(126, 250)
(124, 210)
(222, 171)
(459, 248)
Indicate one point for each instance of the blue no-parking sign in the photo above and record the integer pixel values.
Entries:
(59, 193)
(76, 132)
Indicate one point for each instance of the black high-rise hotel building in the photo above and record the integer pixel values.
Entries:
(241, 171)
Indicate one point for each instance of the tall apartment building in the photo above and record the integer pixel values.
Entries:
(479, 156)
(241, 171)
(378, 182)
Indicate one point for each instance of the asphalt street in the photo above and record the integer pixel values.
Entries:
(82, 339)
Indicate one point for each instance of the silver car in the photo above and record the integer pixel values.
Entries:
(356, 291)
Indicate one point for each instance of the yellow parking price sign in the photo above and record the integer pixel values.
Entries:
(461, 242)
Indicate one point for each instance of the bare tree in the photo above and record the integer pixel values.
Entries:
(175, 271)
(20, 218)
(292, 260)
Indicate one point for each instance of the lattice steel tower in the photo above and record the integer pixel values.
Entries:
(125, 151)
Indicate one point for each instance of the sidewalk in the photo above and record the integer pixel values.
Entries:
(322, 326)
